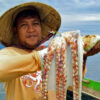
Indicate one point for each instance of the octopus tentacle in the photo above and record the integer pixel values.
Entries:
(58, 47)
(61, 70)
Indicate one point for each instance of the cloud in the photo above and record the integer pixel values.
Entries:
(80, 17)
(84, 3)
(90, 18)
(79, 6)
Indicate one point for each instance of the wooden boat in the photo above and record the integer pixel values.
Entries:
(90, 90)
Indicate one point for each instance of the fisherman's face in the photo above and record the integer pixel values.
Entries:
(29, 31)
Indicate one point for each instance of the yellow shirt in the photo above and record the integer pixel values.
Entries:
(15, 63)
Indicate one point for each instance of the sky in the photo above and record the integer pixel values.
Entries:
(83, 15)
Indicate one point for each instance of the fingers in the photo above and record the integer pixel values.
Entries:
(67, 34)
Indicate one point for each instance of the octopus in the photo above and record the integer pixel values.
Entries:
(65, 62)
(63, 66)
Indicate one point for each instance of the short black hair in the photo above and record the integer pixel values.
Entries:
(26, 13)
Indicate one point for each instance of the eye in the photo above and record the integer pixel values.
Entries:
(36, 23)
(23, 24)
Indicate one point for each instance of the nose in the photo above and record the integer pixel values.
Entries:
(30, 28)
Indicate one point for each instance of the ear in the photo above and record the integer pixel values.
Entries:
(15, 38)
(15, 30)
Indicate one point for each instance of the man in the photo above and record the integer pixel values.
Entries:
(22, 29)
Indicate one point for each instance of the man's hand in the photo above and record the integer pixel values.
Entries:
(67, 35)
(91, 45)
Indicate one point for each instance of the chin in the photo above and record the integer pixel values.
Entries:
(31, 46)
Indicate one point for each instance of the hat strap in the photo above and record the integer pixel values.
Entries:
(47, 37)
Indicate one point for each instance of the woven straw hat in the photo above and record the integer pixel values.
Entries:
(50, 20)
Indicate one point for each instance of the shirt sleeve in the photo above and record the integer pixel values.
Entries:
(13, 66)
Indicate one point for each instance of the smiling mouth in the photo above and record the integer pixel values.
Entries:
(32, 36)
